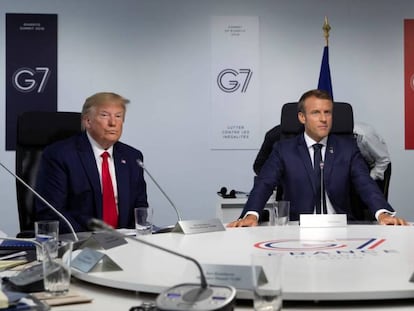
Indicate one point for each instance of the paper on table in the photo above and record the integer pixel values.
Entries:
(7, 264)
(4, 301)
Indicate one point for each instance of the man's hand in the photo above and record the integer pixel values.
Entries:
(248, 221)
(387, 219)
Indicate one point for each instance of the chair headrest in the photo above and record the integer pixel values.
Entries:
(40, 128)
(342, 119)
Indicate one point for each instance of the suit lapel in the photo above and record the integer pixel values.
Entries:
(88, 161)
(122, 180)
(329, 158)
(304, 154)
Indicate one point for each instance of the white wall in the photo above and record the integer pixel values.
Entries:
(157, 54)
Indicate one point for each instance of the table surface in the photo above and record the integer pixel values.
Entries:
(357, 262)
(109, 299)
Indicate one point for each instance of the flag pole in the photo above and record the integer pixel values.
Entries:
(326, 28)
(324, 82)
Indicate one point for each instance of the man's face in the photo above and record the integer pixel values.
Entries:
(317, 117)
(104, 123)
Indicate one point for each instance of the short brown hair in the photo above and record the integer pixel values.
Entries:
(312, 93)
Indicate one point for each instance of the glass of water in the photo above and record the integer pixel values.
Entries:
(47, 231)
(56, 271)
(143, 220)
(267, 281)
(282, 210)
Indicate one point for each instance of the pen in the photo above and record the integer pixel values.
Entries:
(14, 255)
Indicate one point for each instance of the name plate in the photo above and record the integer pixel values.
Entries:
(238, 276)
(199, 226)
(103, 240)
(90, 260)
(322, 220)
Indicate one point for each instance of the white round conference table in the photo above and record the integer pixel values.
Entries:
(357, 262)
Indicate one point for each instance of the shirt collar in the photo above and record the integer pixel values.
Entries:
(97, 149)
(310, 142)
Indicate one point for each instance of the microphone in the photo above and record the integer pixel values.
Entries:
(184, 296)
(323, 203)
(43, 200)
(323, 219)
(141, 164)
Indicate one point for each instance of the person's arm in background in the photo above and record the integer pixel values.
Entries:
(271, 137)
(373, 149)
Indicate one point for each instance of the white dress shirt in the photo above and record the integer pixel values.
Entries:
(309, 143)
(97, 151)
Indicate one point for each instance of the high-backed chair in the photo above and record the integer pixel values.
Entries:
(342, 120)
(36, 130)
(342, 124)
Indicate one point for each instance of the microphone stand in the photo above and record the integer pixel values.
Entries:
(96, 225)
(44, 201)
(141, 164)
(188, 226)
(183, 297)
(322, 187)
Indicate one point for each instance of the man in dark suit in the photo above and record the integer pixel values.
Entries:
(291, 166)
(69, 176)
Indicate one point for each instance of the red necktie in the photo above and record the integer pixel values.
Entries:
(110, 215)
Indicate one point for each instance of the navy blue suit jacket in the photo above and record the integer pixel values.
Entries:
(290, 166)
(69, 180)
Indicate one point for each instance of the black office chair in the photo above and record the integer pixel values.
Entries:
(342, 120)
(36, 130)
(342, 124)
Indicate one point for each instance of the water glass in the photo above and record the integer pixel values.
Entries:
(143, 220)
(267, 283)
(282, 210)
(56, 271)
(47, 231)
(268, 215)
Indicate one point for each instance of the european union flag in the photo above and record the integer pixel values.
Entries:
(325, 82)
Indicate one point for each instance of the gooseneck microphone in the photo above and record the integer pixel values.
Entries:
(321, 164)
(97, 225)
(43, 200)
(183, 297)
(141, 164)
(324, 209)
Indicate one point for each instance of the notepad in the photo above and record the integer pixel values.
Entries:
(72, 297)
(10, 244)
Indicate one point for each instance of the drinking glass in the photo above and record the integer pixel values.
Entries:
(56, 271)
(267, 284)
(143, 220)
(282, 210)
(47, 231)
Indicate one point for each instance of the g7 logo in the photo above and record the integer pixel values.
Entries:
(229, 80)
(25, 79)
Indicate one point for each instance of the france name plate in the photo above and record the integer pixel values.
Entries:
(322, 220)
